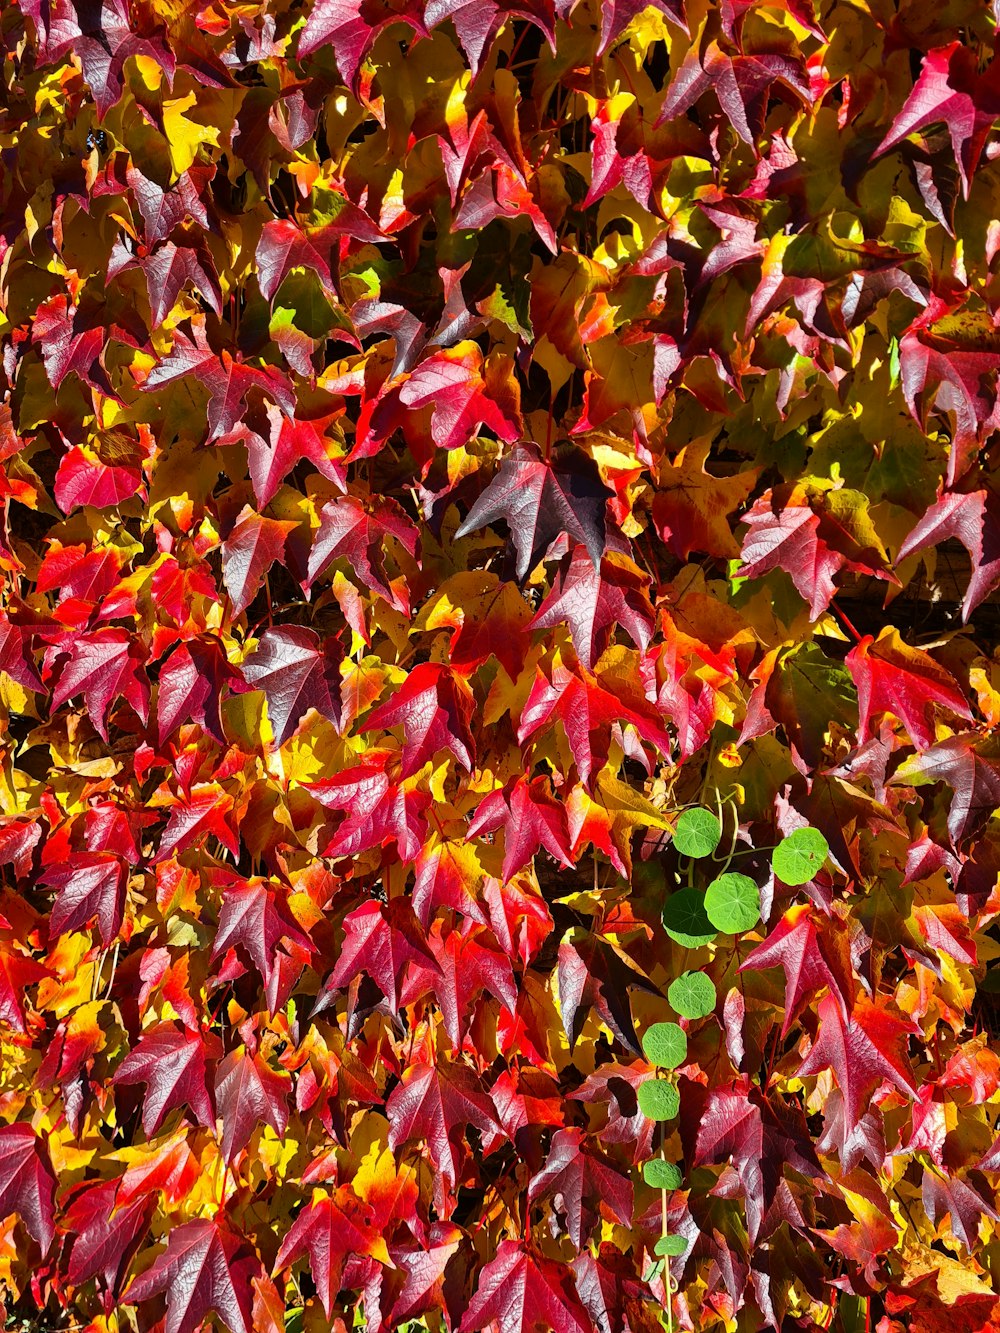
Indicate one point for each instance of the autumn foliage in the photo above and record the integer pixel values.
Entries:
(498, 687)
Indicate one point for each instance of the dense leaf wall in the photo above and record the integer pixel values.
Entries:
(498, 784)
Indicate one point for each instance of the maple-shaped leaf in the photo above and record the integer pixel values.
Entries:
(70, 345)
(297, 671)
(290, 439)
(592, 598)
(423, 1268)
(228, 381)
(248, 1094)
(974, 520)
(173, 1063)
(973, 776)
(594, 973)
(540, 500)
(90, 885)
(171, 266)
(190, 685)
(254, 918)
(101, 473)
(692, 508)
(193, 817)
(162, 208)
(380, 805)
(17, 973)
(489, 617)
(447, 874)
(577, 1179)
(106, 1234)
(521, 1292)
(461, 399)
(964, 1204)
(355, 532)
(103, 665)
(812, 544)
(102, 37)
(437, 1103)
(530, 818)
(810, 957)
(27, 1181)
(583, 706)
(951, 90)
(433, 707)
(380, 940)
(468, 962)
(742, 83)
(865, 1048)
(284, 246)
(328, 1231)
(16, 658)
(738, 1123)
(206, 1269)
(249, 551)
(892, 677)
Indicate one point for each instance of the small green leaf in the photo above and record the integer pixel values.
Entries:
(732, 903)
(665, 1044)
(661, 1175)
(670, 1247)
(698, 833)
(799, 857)
(692, 995)
(685, 921)
(658, 1099)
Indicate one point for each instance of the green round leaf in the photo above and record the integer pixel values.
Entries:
(665, 1044)
(661, 1175)
(685, 921)
(692, 995)
(698, 832)
(670, 1247)
(799, 857)
(658, 1099)
(732, 903)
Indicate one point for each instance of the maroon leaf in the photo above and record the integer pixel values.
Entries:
(173, 1064)
(27, 1181)
(296, 672)
(519, 1291)
(103, 666)
(433, 707)
(247, 1094)
(206, 1268)
(578, 1180)
(91, 886)
(436, 1103)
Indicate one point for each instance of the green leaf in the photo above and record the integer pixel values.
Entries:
(658, 1099)
(685, 921)
(732, 903)
(692, 995)
(799, 857)
(698, 832)
(661, 1175)
(665, 1044)
(670, 1247)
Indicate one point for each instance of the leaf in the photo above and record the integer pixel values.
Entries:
(698, 832)
(329, 1231)
(90, 885)
(658, 1100)
(206, 1268)
(732, 903)
(692, 995)
(799, 857)
(540, 500)
(27, 1182)
(582, 1180)
(380, 808)
(255, 918)
(436, 1103)
(104, 666)
(173, 1064)
(661, 1175)
(973, 777)
(810, 957)
(251, 548)
(665, 1045)
(434, 708)
(518, 1291)
(381, 941)
(591, 598)
(106, 1234)
(297, 672)
(594, 974)
(350, 531)
(971, 519)
(894, 678)
(685, 919)
(530, 818)
(247, 1094)
(671, 1246)
(864, 1048)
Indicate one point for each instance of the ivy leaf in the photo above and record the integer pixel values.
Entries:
(103, 666)
(173, 1064)
(893, 678)
(27, 1181)
(581, 1179)
(329, 1231)
(247, 1094)
(206, 1268)
(435, 1103)
(251, 548)
(90, 885)
(517, 1290)
(591, 598)
(594, 974)
(540, 500)
(434, 707)
(107, 1234)
(974, 520)
(297, 672)
(810, 957)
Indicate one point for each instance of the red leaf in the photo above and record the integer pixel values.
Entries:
(436, 1103)
(892, 677)
(591, 599)
(297, 672)
(379, 808)
(103, 666)
(380, 940)
(974, 520)
(248, 553)
(254, 917)
(173, 1064)
(521, 1292)
(91, 885)
(864, 1049)
(329, 1231)
(351, 531)
(433, 707)
(27, 1182)
(206, 1268)
(578, 1179)
(106, 1234)
(810, 959)
(248, 1093)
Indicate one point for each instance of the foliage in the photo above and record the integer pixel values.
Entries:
(461, 865)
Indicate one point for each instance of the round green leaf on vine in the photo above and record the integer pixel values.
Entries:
(685, 921)
(665, 1044)
(670, 1247)
(698, 832)
(732, 903)
(799, 857)
(658, 1099)
(661, 1175)
(692, 995)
